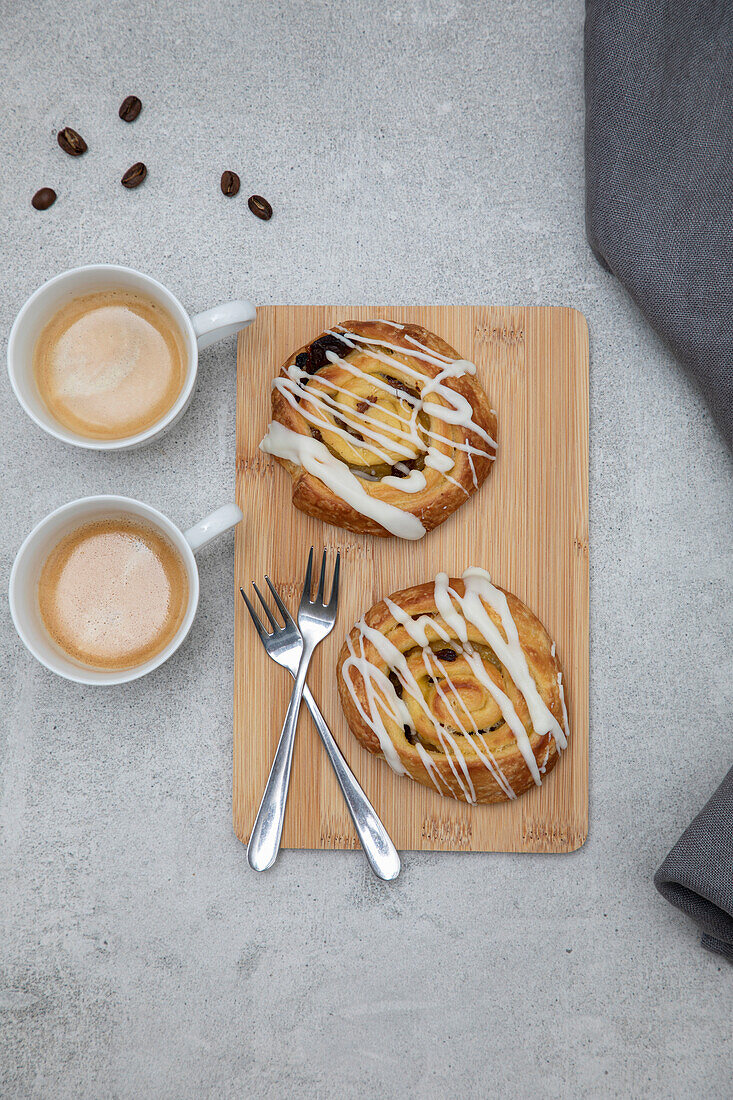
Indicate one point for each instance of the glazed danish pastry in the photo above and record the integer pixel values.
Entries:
(458, 686)
(382, 427)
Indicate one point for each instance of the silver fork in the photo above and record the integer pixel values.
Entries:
(285, 646)
(315, 622)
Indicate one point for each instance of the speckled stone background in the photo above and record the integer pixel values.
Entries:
(424, 151)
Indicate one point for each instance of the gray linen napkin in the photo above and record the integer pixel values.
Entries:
(659, 172)
(659, 215)
(697, 875)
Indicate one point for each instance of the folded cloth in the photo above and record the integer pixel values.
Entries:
(659, 185)
(697, 875)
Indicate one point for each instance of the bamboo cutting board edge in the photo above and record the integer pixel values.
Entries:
(533, 362)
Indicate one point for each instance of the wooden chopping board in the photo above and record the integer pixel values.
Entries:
(528, 525)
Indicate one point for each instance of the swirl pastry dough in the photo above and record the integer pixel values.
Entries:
(457, 685)
(382, 427)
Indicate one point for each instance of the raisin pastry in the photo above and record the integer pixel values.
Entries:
(458, 686)
(382, 427)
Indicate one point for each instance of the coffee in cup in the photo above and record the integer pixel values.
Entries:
(110, 364)
(105, 358)
(78, 579)
(113, 592)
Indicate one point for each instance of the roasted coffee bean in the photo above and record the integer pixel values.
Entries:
(229, 183)
(44, 198)
(446, 654)
(260, 207)
(395, 682)
(130, 108)
(134, 176)
(71, 142)
(410, 735)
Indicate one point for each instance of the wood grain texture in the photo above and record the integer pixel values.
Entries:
(528, 525)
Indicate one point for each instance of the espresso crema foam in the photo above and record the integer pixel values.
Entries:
(109, 365)
(113, 593)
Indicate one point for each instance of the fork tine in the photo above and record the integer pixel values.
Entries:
(255, 618)
(283, 609)
(308, 578)
(273, 621)
(333, 601)
(322, 580)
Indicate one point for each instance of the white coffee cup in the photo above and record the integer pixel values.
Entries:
(197, 333)
(48, 533)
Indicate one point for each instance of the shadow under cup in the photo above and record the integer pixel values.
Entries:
(26, 573)
(58, 293)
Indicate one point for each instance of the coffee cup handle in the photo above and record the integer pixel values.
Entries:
(216, 524)
(221, 321)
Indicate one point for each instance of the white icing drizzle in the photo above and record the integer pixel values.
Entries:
(444, 597)
(316, 458)
(508, 713)
(371, 674)
(561, 689)
(325, 404)
(484, 753)
(458, 410)
(396, 661)
(352, 339)
(415, 482)
(430, 768)
(416, 628)
(456, 612)
(479, 588)
(292, 389)
(438, 355)
(437, 460)
(402, 437)
(473, 471)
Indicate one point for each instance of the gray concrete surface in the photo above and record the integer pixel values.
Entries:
(429, 150)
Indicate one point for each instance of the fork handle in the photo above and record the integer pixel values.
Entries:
(375, 840)
(264, 842)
